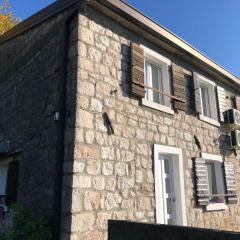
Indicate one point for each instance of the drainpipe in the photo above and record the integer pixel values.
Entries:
(60, 149)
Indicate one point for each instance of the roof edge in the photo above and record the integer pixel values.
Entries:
(143, 20)
(132, 13)
(37, 18)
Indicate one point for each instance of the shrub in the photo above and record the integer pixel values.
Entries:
(26, 227)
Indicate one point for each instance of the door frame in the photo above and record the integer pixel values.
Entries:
(177, 163)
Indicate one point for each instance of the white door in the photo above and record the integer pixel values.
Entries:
(169, 208)
(169, 185)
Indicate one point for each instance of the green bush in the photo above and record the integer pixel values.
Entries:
(26, 227)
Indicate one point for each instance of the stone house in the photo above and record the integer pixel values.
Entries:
(105, 114)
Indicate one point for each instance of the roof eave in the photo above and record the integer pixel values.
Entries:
(133, 16)
(147, 24)
(37, 18)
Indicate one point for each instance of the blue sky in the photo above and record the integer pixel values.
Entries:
(210, 26)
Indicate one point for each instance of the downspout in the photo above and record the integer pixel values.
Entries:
(60, 136)
(60, 149)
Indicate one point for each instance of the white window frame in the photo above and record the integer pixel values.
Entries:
(163, 63)
(215, 206)
(178, 172)
(212, 100)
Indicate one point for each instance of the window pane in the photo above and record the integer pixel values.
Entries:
(205, 101)
(215, 181)
(168, 185)
(148, 80)
(157, 83)
(153, 79)
(220, 181)
(3, 178)
(212, 178)
(166, 166)
(169, 206)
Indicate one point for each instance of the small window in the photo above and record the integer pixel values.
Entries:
(154, 80)
(8, 181)
(216, 185)
(157, 81)
(215, 181)
(205, 101)
(3, 181)
(208, 101)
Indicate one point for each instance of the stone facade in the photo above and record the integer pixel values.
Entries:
(112, 175)
(29, 93)
(105, 176)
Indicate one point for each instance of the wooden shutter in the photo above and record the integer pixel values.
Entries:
(222, 102)
(237, 99)
(179, 87)
(197, 100)
(137, 70)
(12, 182)
(231, 183)
(201, 181)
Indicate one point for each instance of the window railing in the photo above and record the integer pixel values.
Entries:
(216, 195)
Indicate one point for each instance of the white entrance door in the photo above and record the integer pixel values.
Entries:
(168, 189)
(169, 185)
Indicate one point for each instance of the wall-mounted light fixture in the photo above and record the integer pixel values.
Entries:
(56, 116)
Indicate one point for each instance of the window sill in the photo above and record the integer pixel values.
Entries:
(209, 120)
(157, 106)
(216, 206)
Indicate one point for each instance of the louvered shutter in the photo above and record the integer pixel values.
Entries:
(201, 181)
(12, 182)
(137, 70)
(222, 102)
(237, 99)
(179, 87)
(231, 183)
(198, 103)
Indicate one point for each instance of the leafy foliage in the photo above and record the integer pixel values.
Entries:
(7, 19)
(26, 227)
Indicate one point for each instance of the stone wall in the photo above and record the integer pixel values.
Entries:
(29, 82)
(111, 176)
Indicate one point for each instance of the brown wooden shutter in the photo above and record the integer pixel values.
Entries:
(197, 100)
(231, 183)
(179, 87)
(12, 182)
(201, 181)
(137, 70)
(222, 102)
(237, 99)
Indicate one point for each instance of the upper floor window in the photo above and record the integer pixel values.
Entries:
(205, 100)
(154, 80)
(208, 101)
(157, 81)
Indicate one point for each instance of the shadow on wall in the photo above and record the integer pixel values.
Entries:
(70, 132)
